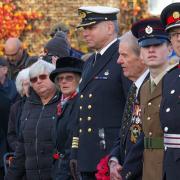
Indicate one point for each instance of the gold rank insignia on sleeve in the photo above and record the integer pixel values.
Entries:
(75, 142)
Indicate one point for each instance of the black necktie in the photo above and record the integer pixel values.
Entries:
(128, 110)
(91, 65)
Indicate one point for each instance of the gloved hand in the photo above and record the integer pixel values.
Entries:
(74, 169)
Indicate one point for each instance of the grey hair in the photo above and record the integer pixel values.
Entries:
(40, 67)
(22, 76)
(132, 41)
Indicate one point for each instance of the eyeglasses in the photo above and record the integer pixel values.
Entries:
(41, 77)
(174, 34)
(68, 78)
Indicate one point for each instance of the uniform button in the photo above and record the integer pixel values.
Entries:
(148, 118)
(179, 75)
(89, 106)
(89, 130)
(150, 133)
(166, 129)
(165, 148)
(80, 130)
(149, 104)
(81, 96)
(168, 110)
(90, 95)
(80, 107)
(80, 119)
(172, 91)
(89, 118)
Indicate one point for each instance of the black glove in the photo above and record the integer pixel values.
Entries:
(74, 169)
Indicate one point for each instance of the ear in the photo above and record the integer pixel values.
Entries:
(170, 48)
(110, 27)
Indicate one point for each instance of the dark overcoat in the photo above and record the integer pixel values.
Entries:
(128, 153)
(4, 115)
(62, 137)
(34, 150)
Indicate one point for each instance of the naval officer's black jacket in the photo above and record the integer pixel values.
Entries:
(102, 96)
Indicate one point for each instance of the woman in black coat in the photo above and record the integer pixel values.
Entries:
(34, 149)
(66, 76)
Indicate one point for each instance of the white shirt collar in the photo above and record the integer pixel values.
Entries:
(140, 80)
(102, 51)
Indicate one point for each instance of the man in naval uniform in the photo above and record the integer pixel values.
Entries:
(102, 91)
(155, 49)
(170, 105)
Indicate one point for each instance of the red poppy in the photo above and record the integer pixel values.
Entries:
(103, 169)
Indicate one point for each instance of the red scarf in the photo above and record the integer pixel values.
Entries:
(63, 101)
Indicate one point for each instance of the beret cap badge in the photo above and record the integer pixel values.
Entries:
(148, 29)
(176, 15)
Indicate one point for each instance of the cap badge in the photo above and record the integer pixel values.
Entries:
(148, 29)
(176, 15)
(82, 14)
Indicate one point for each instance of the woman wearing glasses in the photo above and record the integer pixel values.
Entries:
(66, 76)
(34, 148)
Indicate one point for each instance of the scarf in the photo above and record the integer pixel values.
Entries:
(63, 101)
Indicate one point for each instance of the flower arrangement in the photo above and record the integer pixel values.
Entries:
(103, 169)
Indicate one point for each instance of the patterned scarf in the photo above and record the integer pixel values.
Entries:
(63, 101)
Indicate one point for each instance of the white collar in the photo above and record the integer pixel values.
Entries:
(140, 80)
(102, 51)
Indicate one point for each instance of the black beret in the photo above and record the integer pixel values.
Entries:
(58, 45)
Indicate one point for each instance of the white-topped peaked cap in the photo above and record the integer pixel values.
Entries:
(93, 14)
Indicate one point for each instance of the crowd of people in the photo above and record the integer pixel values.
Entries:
(110, 115)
